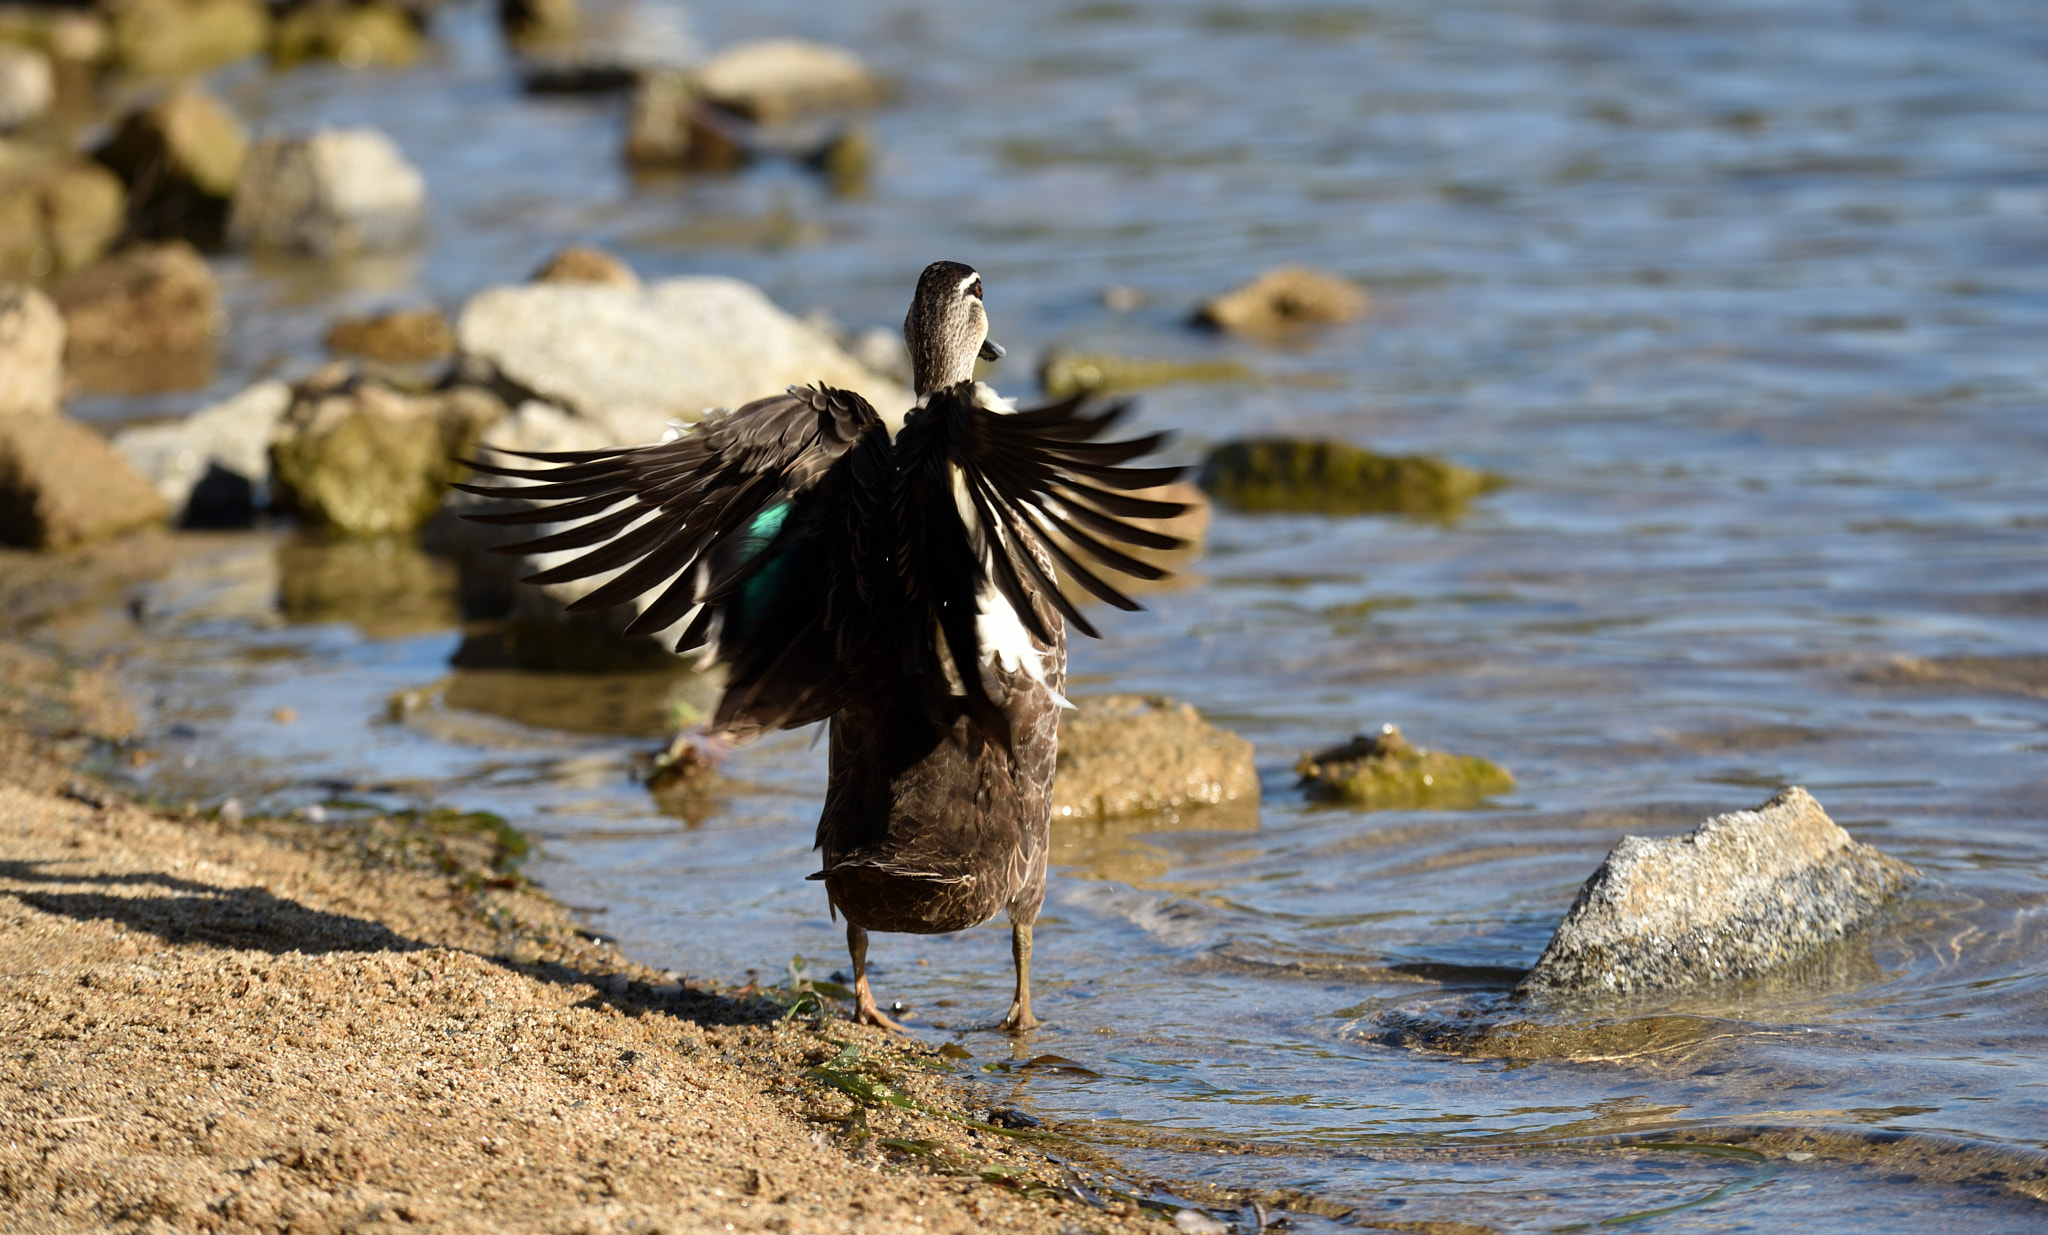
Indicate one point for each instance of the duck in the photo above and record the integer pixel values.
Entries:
(894, 576)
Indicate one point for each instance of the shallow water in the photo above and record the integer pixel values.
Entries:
(1748, 303)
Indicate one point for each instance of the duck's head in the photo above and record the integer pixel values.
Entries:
(947, 328)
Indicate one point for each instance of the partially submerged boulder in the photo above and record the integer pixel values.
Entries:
(31, 352)
(633, 361)
(1741, 894)
(1385, 771)
(1136, 754)
(1287, 475)
(362, 459)
(62, 485)
(1284, 299)
(141, 320)
(213, 467)
(56, 215)
(334, 193)
(1067, 373)
(669, 125)
(402, 336)
(775, 80)
(583, 264)
(181, 158)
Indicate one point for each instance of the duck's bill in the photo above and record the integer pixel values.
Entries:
(991, 350)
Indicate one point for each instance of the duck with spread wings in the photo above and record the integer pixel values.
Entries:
(900, 583)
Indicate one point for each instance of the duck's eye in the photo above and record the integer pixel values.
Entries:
(974, 289)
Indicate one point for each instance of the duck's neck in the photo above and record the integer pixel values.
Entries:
(937, 363)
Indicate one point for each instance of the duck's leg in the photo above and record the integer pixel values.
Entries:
(864, 1010)
(1020, 1018)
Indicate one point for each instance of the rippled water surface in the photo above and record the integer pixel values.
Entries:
(1750, 303)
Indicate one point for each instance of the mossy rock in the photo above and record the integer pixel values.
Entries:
(1387, 772)
(173, 38)
(1065, 373)
(358, 35)
(368, 461)
(1316, 477)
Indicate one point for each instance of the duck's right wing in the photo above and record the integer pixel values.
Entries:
(747, 526)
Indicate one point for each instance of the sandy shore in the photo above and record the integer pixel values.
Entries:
(280, 1026)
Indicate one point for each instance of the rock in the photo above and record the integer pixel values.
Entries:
(141, 320)
(28, 86)
(632, 361)
(1134, 754)
(365, 460)
(537, 21)
(355, 33)
(775, 80)
(883, 350)
(582, 264)
(844, 158)
(180, 158)
(31, 353)
(669, 126)
(1387, 772)
(334, 193)
(1741, 894)
(62, 485)
(403, 336)
(213, 467)
(573, 49)
(1284, 299)
(72, 39)
(56, 216)
(1280, 474)
(170, 38)
(1065, 373)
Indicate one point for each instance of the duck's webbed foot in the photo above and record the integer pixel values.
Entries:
(865, 1012)
(1020, 1019)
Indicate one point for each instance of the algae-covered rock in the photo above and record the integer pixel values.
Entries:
(180, 157)
(1286, 475)
(56, 215)
(358, 33)
(1284, 299)
(1741, 894)
(62, 485)
(168, 38)
(1388, 772)
(1134, 754)
(365, 460)
(1067, 373)
(402, 336)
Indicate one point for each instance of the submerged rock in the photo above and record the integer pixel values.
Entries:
(27, 86)
(402, 336)
(583, 264)
(776, 80)
(1281, 474)
(334, 193)
(181, 158)
(633, 361)
(1283, 299)
(364, 460)
(1741, 894)
(56, 215)
(213, 467)
(358, 33)
(1066, 373)
(1135, 754)
(1388, 772)
(669, 125)
(171, 38)
(31, 352)
(62, 485)
(141, 320)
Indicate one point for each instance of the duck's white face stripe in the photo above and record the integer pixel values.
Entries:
(968, 282)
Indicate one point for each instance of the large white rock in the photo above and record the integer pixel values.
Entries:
(632, 360)
(27, 86)
(31, 352)
(332, 193)
(232, 436)
(774, 80)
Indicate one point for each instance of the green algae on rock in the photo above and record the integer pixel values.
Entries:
(1283, 475)
(362, 459)
(1068, 373)
(1387, 772)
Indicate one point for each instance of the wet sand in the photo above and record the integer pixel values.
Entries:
(281, 1025)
